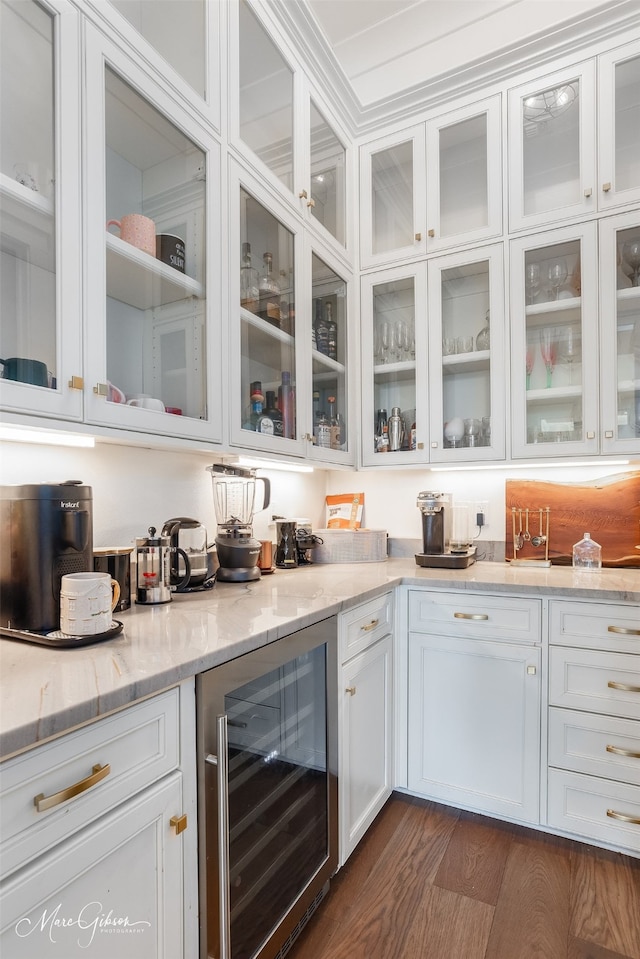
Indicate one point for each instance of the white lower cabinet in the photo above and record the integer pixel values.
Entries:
(474, 703)
(100, 835)
(365, 702)
(594, 723)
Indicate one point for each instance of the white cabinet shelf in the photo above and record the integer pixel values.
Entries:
(142, 281)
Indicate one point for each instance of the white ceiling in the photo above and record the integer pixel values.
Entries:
(386, 46)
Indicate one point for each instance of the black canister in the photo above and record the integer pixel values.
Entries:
(116, 561)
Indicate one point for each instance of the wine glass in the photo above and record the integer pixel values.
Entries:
(548, 351)
(569, 348)
(557, 274)
(531, 358)
(532, 276)
(631, 256)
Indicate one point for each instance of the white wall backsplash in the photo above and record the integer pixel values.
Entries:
(137, 488)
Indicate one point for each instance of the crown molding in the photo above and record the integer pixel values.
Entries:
(617, 19)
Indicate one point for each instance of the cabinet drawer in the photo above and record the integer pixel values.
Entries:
(475, 614)
(139, 745)
(364, 625)
(595, 745)
(579, 805)
(595, 626)
(606, 683)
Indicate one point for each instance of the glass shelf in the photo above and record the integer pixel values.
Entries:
(141, 281)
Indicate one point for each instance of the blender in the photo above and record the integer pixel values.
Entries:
(233, 500)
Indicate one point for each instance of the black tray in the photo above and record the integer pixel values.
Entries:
(60, 640)
(446, 560)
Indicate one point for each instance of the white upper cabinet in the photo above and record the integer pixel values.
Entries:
(552, 140)
(464, 180)
(40, 251)
(153, 255)
(280, 126)
(553, 123)
(619, 118)
(433, 186)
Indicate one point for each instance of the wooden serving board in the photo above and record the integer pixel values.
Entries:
(608, 508)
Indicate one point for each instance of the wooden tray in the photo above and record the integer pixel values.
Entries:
(608, 508)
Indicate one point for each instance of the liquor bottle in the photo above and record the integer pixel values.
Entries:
(269, 304)
(323, 432)
(316, 409)
(322, 331)
(287, 406)
(332, 333)
(270, 421)
(257, 400)
(334, 426)
(249, 293)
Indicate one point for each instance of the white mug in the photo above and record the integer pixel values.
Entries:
(87, 601)
(146, 403)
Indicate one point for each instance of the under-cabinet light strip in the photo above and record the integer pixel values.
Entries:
(20, 434)
(528, 466)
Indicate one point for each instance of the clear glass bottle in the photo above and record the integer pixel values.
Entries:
(587, 554)
(484, 336)
(287, 406)
(269, 305)
(334, 425)
(249, 292)
(323, 432)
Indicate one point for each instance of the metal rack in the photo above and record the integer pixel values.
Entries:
(521, 518)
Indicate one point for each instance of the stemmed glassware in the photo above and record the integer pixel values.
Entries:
(549, 351)
(557, 274)
(569, 348)
(631, 256)
(531, 357)
(532, 278)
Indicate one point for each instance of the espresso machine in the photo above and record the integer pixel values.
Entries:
(233, 500)
(46, 531)
(438, 549)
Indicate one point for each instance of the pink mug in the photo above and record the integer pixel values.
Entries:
(137, 230)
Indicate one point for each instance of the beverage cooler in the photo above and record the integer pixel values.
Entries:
(267, 768)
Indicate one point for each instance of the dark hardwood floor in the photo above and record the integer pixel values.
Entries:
(431, 882)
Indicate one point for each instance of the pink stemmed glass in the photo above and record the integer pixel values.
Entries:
(548, 351)
(531, 356)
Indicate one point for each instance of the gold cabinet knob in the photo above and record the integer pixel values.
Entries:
(303, 194)
(588, 192)
(606, 187)
(101, 389)
(418, 237)
(179, 823)
(351, 690)
(76, 383)
(431, 232)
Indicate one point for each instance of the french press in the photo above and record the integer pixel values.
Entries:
(153, 580)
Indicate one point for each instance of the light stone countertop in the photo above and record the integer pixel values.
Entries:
(45, 692)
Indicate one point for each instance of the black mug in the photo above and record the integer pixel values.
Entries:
(117, 562)
(170, 249)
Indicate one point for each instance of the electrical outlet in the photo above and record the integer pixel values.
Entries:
(483, 507)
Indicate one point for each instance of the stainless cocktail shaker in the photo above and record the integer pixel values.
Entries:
(396, 429)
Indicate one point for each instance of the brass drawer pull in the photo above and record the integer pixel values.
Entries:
(369, 626)
(351, 690)
(619, 751)
(625, 686)
(623, 630)
(471, 616)
(98, 772)
(623, 817)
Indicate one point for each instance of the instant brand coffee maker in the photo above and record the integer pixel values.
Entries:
(46, 531)
(438, 550)
(233, 499)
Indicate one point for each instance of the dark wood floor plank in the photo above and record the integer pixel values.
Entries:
(605, 900)
(448, 926)
(377, 914)
(475, 858)
(579, 949)
(531, 919)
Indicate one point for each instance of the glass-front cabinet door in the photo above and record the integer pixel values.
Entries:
(327, 176)
(40, 244)
(466, 356)
(620, 332)
(263, 323)
(150, 339)
(394, 349)
(329, 361)
(619, 126)
(392, 198)
(464, 186)
(554, 372)
(552, 148)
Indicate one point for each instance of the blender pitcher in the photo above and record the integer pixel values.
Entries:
(234, 495)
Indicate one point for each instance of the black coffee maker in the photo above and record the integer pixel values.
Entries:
(46, 531)
(436, 534)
